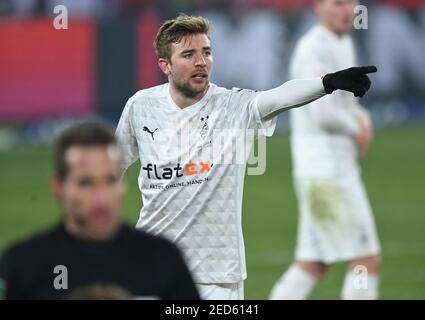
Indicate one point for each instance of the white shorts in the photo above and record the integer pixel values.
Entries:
(336, 221)
(221, 291)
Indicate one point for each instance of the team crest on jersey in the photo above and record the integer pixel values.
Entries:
(205, 127)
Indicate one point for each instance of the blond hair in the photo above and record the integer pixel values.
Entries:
(173, 31)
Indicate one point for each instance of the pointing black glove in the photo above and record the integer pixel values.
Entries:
(353, 79)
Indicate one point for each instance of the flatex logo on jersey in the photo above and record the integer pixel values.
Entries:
(167, 173)
(187, 150)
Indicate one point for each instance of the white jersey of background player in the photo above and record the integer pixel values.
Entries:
(189, 196)
(327, 138)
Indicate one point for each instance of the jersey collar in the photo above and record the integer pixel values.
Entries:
(195, 106)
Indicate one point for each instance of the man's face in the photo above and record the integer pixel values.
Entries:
(91, 193)
(337, 14)
(191, 64)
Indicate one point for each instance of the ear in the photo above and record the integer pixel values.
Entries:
(164, 65)
(56, 186)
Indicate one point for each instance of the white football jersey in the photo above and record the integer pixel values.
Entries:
(192, 186)
(322, 132)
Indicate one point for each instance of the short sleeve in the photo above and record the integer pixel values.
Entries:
(126, 136)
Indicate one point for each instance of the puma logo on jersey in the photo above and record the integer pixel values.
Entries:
(148, 131)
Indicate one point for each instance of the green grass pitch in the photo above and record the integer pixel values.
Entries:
(394, 174)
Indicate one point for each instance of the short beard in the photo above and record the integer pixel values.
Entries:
(187, 90)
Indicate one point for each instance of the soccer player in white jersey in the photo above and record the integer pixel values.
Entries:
(327, 137)
(189, 197)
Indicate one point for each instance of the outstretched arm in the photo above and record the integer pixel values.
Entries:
(296, 93)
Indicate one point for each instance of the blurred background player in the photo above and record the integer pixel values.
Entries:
(204, 218)
(91, 242)
(327, 138)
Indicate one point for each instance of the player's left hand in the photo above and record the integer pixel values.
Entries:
(354, 80)
(365, 135)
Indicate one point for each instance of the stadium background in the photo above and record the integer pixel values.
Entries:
(50, 78)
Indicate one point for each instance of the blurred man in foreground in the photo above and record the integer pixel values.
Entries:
(327, 137)
(91, 246)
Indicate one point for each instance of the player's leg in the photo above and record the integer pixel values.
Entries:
(361, 281)
(298, 281)
(300, 278)
(221, 291)
(363, 267)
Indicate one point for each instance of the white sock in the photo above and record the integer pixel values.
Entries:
(295, 284)
(356, 288)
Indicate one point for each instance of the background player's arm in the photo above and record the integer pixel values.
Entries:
(327, 112)
(360, 111)
(365, 134)
(333, 117)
